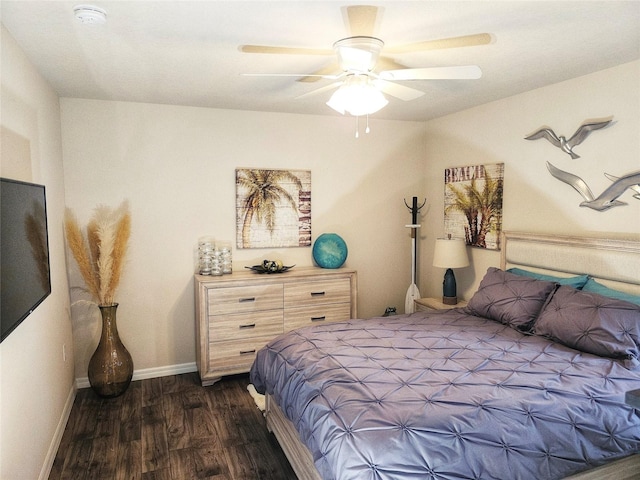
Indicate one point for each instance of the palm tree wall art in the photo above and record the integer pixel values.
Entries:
(273, 208)
(473, 204)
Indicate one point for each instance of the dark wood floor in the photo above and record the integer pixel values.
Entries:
(170, 428)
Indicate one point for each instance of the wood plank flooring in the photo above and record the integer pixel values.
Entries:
(170, 428)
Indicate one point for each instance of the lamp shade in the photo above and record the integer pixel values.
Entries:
(357, 96)
(450, 253)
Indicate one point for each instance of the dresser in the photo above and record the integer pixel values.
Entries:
(238, 314)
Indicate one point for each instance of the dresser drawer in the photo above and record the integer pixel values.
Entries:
(223, 301)
(296, 317)
(241, 326)
(237, 355)
(317, 293)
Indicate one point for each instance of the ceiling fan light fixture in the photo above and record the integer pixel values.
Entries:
(357, 96)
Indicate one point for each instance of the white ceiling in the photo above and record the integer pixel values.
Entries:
(186, 52)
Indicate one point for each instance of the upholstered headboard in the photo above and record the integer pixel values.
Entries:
(611, 260)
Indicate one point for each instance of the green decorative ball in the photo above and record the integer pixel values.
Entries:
(329, 250)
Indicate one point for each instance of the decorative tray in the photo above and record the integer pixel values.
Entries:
(270, 266)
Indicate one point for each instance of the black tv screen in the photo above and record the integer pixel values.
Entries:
(24, 251)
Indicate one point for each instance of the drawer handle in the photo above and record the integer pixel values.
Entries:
(247, 352)
(247, 326)
(247, 299)
(317, 294)
(318, 319)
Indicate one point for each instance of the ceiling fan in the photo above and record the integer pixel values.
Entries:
(361, 67)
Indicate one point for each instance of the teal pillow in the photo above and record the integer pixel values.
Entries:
(575, 282)
(595, 287)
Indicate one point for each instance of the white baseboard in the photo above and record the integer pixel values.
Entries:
(83, 382)
(57, 437)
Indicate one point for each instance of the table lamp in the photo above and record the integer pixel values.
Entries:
(450, 253)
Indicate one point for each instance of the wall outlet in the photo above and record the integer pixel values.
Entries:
(64, 352)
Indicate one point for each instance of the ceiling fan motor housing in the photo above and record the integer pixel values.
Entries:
(358, 54)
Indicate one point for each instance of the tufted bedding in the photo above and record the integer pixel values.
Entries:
(451, 395)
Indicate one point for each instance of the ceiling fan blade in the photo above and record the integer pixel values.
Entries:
(326, 88)
(466, 72)
(301, 75)
(361, 19)
(396, 90)
(328, 71)
(453, 42)
(284, 50)
(386, 63)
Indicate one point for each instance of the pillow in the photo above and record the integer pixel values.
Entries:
(593, 323)
(595, 287)
(514, 300)
(575, 282)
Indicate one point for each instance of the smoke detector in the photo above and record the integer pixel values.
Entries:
(90, 14)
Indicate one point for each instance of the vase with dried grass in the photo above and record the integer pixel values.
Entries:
(100, 258)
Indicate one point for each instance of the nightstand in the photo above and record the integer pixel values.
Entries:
(426, 304)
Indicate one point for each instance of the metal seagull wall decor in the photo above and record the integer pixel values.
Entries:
(635, 188)
(608, 198)
(576, 139)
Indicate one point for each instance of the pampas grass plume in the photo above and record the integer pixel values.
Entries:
(100, 256)
(123, 230)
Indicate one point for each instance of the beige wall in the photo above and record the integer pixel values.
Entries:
(36, 384)
(176, 166)
(533, 199)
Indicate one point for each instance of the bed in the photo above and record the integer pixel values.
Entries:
(526, 382)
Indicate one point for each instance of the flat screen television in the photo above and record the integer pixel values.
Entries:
(24, 252)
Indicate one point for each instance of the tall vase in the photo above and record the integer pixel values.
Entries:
(111, 366)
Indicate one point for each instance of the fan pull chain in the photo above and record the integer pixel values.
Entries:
(366, 130)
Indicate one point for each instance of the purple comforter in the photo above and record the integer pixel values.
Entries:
(447, 395)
